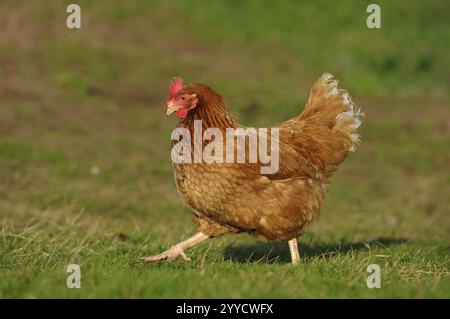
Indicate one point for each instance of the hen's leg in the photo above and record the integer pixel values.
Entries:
(293, 248)
(178, 250)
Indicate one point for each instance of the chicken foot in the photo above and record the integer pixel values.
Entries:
(178, 250)
(293, 248)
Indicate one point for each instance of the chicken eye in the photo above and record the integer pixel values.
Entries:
(182, 98)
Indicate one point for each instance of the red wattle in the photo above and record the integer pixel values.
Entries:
(181, 113)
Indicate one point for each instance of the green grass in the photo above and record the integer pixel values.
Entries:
(85, 150)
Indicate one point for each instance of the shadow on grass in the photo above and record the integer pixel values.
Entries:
(278, 252)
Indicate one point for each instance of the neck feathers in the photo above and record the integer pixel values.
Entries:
(211, 109)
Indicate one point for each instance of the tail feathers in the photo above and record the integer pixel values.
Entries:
(349, 120)
(330, 121)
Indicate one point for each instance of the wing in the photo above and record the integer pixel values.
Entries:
(276, 159)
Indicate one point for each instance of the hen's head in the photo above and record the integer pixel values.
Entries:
(180, 100)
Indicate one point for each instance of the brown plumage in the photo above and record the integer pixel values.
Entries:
(237, 197)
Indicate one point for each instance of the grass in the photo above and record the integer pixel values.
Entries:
(85, 172)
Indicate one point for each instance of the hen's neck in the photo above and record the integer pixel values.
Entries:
(213, 114)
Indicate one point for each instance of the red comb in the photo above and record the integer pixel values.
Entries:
(177, 84)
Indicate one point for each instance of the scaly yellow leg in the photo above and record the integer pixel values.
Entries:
(178, 249)
(293, 248)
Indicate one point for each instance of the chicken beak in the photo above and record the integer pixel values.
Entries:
(170, 108)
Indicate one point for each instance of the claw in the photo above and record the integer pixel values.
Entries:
(185, 257)
(170, 255)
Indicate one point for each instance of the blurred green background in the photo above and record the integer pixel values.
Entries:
(85, 171)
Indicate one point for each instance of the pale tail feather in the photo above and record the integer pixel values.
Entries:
(350, 119)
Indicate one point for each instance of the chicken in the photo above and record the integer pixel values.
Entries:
(237, 197)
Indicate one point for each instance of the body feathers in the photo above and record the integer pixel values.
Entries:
(236, 197)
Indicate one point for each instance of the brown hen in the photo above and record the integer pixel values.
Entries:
(238, 197)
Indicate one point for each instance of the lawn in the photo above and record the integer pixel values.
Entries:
(85, 170)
